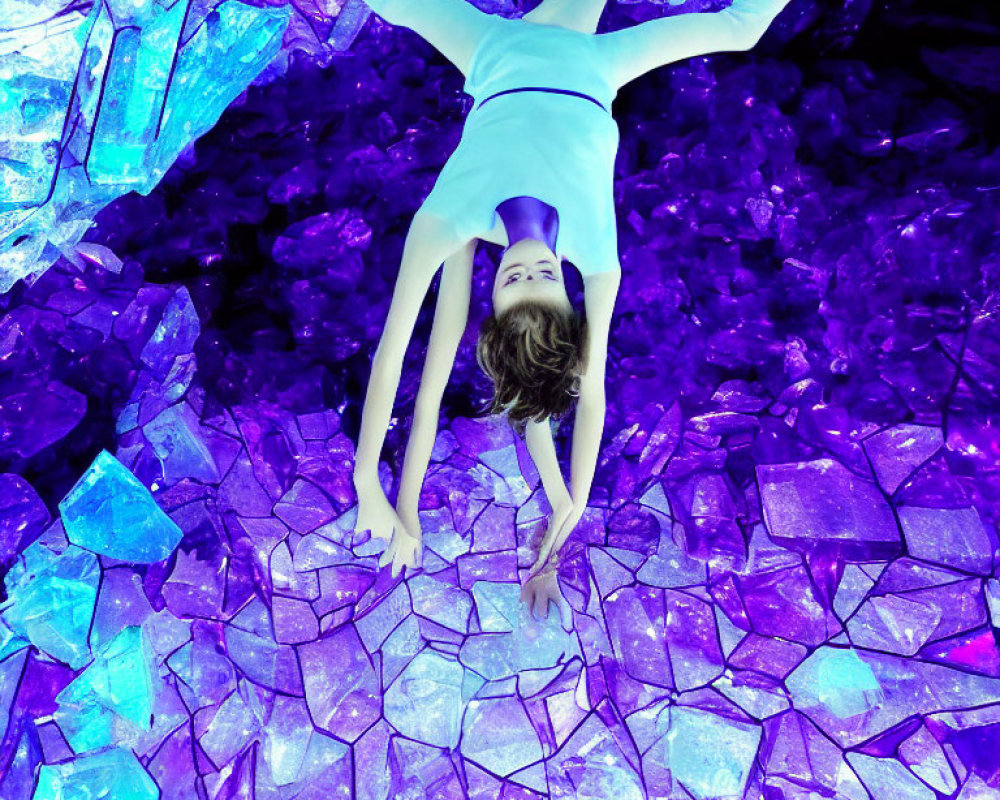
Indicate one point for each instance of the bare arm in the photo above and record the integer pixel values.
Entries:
(452, 27)
(429, 241)
(538, 438)
(632, 52)
(450, 317)
(600, 293)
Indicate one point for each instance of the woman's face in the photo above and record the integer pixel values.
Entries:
(529, 270)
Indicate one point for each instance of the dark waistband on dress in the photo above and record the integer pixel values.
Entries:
(543, 89)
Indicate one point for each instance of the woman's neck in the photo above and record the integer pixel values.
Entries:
(529, 218)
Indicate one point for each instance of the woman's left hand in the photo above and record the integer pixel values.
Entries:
(564, 520)
(541, 588)
(404, 550)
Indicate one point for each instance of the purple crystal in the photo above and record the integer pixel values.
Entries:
(784, 581)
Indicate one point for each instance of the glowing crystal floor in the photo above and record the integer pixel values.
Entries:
(786, 583)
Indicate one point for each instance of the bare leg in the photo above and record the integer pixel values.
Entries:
(577, 15)
(631, 52)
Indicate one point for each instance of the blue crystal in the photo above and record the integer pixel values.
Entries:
(497, 734)
(426, 701)
(108, 511)
(107, 105)
(113, 773)
(710, 754)
(837, 679)
(886, 777)
(118, 684)
(51, 598)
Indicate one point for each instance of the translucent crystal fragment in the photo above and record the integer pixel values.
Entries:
(531, 644)
(204, 675)
(350, 21)
(233, 725)
(38, 80)
(111, 695)
(905, 687)
(108, 511)
(636, 619)
(178, 444)
(993, 600)
(427, 699)
(497, 734)
(836, 679)
(438, 600)
(109, 104)
(251, 645)
(710, 755)
(18, 781)
(894, 623)
(10, 642)
(121, 602)
(670, 565)
(758, 695)
(341, 686)
(897, 451)
(854, 585)
(797, 751)
(590, 765)
(954, 537)
(11, 668)
(923, 754)
(294, 751)
(886, 777)
(50, 600)
(174, 336)
(493, 606)
(822, 503)
(111, 773)
(692, 641)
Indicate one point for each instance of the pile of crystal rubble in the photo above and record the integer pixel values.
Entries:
(785, 585)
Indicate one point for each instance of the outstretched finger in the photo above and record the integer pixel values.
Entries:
(387, 554)
(528, 595)
(541, 606)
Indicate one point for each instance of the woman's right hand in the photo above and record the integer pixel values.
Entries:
(375, 512)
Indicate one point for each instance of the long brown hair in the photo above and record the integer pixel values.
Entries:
(533, 352)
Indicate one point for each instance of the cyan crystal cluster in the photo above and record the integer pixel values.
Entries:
(100, 99)
(785, 586)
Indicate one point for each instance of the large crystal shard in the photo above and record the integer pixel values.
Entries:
(823, 504)
(710, 755)
(50, 600)
(111, 773)
(116, 689)
(427, 699)
(110, 512)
